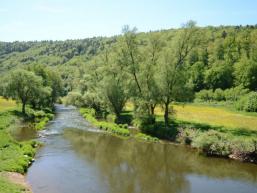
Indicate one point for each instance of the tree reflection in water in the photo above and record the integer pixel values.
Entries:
(130, 166)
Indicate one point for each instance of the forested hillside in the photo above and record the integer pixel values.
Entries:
(206, 63)
(225, 57)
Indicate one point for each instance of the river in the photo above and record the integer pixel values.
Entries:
(77, 158)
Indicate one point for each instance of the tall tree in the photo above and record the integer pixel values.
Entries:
(114, 85)
(148, 69)
(172, 68)
(23, 86)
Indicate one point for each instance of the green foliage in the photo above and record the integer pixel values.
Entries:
(219, 76)
(230, 95)
(6, 120)
(144, 137)
(197, 75)
(160, 131)
(204, 95)
(39, 118)
(150, 69)
(15, 156)
(8, 187)
(23, 86)
(40, 88)
(248, 102)
(111, 118)
(74, 98)
(246, 73)
(213, 143)
(251, 104)
(53, 86)
(89, 115)
(234, 94)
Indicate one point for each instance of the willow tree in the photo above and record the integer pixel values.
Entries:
(114, 85)
(23, 86)
(138, 60)
(148, 69)
(172, 73)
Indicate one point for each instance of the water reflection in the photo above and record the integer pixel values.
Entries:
(79, 161)
(24, 133)
(131, 166)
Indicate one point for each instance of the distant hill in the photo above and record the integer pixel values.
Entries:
(220, 46)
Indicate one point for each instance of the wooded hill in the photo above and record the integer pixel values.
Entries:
(225, 57)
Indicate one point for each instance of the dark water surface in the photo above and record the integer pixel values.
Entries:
(77, 160)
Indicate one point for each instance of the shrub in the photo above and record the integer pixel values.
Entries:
(89, 115)
(160, 131)
(186, 135)
(111, 118)
(143, 121)
(248, 103)
(204, 96)
(232, 94)
(218, 95)
(235, 93)
(251, 103)
(41, 123)
(74, 98)
(212, 143)
(142, 136)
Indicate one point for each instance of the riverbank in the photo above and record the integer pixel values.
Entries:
(212, 141)
(12, 182)
(17, 156)
(121, 130)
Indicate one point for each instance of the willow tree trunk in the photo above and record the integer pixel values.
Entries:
(23, 108)
(166, 114)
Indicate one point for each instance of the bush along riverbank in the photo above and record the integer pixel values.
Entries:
(17, 156)
(213, 141)
(237, 144)
(220, 144)
(109, 126)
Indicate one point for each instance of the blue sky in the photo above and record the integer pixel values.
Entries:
(74, 19)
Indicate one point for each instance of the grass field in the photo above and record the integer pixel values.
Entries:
(7, 104)
(214, 116)
(205, 117)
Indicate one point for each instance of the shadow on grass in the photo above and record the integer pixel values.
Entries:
(126, 117)
(206, 127)
(17, 113)
(159, 130)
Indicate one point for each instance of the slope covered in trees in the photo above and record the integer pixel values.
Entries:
(151, 68)
(225, 56)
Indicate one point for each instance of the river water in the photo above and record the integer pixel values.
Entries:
(77, 158)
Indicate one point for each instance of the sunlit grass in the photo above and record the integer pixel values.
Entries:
(8, 187)
(214, 116)
(7, 104)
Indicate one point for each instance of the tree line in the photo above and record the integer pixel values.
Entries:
(37, 86)
(159, 69)
(146, 69)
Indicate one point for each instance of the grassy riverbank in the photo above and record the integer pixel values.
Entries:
(7, 187)
(214, 131)
(16, 156)
(113, 128)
